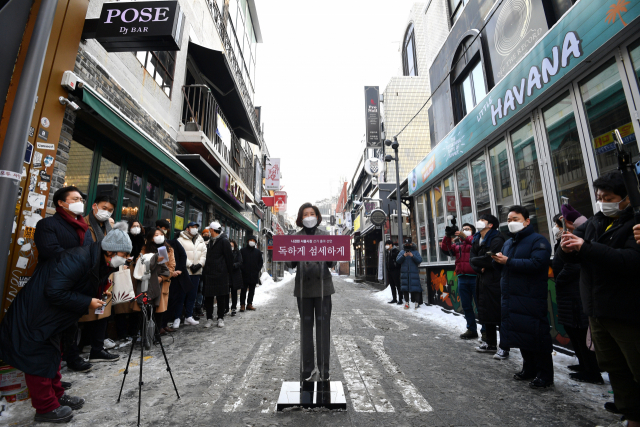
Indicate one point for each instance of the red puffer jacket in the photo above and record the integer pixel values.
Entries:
(461, 251)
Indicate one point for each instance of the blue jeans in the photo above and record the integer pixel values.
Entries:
(191, 296)
(467, 291)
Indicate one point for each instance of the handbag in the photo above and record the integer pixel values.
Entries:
(122, 286)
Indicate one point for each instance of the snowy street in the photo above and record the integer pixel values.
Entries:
(398, 367)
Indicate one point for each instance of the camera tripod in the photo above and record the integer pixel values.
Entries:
(147, 313)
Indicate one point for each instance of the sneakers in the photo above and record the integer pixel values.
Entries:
(469, 334)
(406, 306)
(191, 321)
(233, 312)
(72, 402)
(65, 385)
(209, 323)
(109, 343)
(575, 368)
(242, 309)
(539, 383)
(501, 354)
(124, 342)
(399, 302)
(80, 366)
(251, 307)
(416, 305)
(175, 324)
(62, 414)
(220, 323)
(103, 356)
(523, 376)
(486, 348)
(611, 407)
(587, 377)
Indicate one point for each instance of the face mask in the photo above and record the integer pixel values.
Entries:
(193, 231)
(206, 238)
(135, 230)
(388, 247)
(252, 244)
(158, 240)
(557, 232)
(610, 209)
(515, 227)
(310, 221)
(77, 208)
(480, 225)
(117, 261)
(102, 215)
(233, 248)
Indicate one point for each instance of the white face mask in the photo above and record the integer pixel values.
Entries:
(252, 244)
(135, 230)
(77, 208)
(388, 247)
(480, 225)
(515, 227)
(193, 231)
(158, 240)
(117, 261)
(102, 215)
(610, 209)
(310, 221)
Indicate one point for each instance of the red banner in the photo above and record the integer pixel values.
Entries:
(268, 200)
(311, 248)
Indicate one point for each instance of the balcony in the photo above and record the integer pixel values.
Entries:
(202, 133)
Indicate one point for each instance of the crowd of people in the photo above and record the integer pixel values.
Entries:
(595, 270)
(67, 303)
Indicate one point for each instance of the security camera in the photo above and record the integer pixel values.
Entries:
(70, 81)
(388, 158)
(71, 104)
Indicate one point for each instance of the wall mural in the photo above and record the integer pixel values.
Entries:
(443, 285)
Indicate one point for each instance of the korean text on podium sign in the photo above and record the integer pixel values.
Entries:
(311, 248)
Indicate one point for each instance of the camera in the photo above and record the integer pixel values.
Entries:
(71, 104)
(450, 231)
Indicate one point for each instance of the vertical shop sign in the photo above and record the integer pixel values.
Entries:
(381, 260)
(272, 178)
(258, 183)
(372, 116)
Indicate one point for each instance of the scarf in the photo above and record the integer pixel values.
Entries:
(77, 223)
(95, 225)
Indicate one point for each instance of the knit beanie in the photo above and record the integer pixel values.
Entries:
(569, 213)
(117, 240)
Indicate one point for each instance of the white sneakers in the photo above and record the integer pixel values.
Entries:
(176, 323)
(209, 323)
(191, 321)
(501, 354)
(109, 343)
(220, 323)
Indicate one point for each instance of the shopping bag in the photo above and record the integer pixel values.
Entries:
(122, 286)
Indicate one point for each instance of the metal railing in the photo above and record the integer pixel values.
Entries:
(199, 114)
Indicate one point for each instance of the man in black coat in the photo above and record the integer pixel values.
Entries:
(393, 272)
(251, 266)
(216, 274)
(609, 257)
(488, 240)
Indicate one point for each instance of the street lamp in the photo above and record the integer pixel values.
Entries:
(388, 158)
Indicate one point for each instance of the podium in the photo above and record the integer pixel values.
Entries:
(312, 252)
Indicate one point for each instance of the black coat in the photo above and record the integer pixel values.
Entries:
(609, 267)
(54, 235)
(236, 275)
(524, 283)
(251, 265)
(392, 266)
(181, 265)
(217, 268)
(56, 296)
(488, 292)
(567, 277)
(137, 242)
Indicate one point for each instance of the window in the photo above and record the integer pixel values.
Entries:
(79, 167)
(455, 9)
(472, 89)
(433, 253)
(160, 66)
(480, 186)
(167, 204)
(422, 226)
(501, 181)
(441, 223)
(450, 200)
(409, 60)
(179, 223)
(468, 85)
(464, 194)
(152, 194)
(108, 175)
(131, 200)
(195, 213)
(634, 52)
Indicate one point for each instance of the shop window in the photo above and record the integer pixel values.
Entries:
(439, 210)
(468, 84)
(422, 226)
(108, 175)
(167, 204)
(567, 158)
(471, 90)
(501, 181)
(450, 200)
(79, 167)
(179, 223)
(480, 186)
(464, 196)
(455, 9)
(409, 59)
(195, 213)
(161, 66)
(433, 253)
(634, 52)
(132, 194)
(528, 177)
(152, 194)
(606, 108)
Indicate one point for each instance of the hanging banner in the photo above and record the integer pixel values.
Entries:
(258, 181)
(381, 261)
(372, 116)
(272, 178)
(311, 248)
(280, 201)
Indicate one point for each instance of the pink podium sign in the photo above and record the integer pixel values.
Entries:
(311, 248)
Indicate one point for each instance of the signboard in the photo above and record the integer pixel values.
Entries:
(268, 201)
(280, 201)
(604, 143)
(133, 26)
(356, 224)
(369, 206)
(311, 248)
(580, 32)
(231, 187)
(258, 182)
(381, 260)
(223, 132)
(374, 166)
(272, 178)
(378, 217)
(372, 115)
(270, 244)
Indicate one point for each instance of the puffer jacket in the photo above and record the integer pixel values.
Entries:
(218, 267)
(609, 261)
(410, 270)
(567, 277)
(524, 283)
(488, 293)
(196, 250)
(461, 252)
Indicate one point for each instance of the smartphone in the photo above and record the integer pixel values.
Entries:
(565, 201)
(489, 253)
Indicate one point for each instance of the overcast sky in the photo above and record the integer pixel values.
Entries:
(313, 64)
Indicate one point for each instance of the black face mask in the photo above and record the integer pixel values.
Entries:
(407, 247)
(206, 238)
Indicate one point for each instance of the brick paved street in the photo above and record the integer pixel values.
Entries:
(397, 369)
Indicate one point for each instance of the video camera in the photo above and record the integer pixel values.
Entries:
(450, 231)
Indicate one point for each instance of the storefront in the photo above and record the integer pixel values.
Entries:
(543, 132)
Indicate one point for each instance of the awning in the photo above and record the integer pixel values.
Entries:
(403, 191)
(113, 117)
(215, 67)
